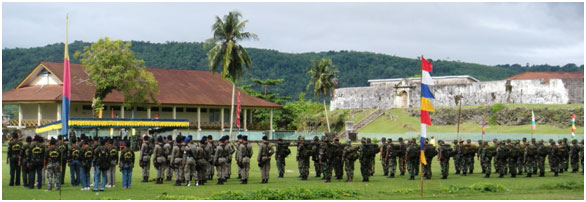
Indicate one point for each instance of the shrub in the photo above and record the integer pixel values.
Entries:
(487, 187)
(284, 194)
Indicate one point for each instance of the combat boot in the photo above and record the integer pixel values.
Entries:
(444, 177)
(541, 174)
(402, 174)
(574, 170)
(144, 179)
(188, 184)
(457, 172)
(513, 175)
(280, 175)
(392, 175)
(168, 178)
(556, 174)
(219, 181)
(177, 183)
(487, 175)
(501, 176)
(528, 174)
(328, 180)
(412, 178)
(243, 181)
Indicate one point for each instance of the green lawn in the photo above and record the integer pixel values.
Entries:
(403, 123)
(378, 188)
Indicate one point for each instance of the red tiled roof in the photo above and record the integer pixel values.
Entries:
(546, 75)
(182, 87)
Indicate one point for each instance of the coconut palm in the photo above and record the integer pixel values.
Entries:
(323, 79)
(226, 54)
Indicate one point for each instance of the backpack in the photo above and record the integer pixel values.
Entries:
(502, 152)
(542, 150)
(15, 150)
(307, 150)
(102, 159)
(412, 153)
(446, 151)
(490, 151)
(531, 150)
(372, 149)
(37, 154)
(128, 156)
(352, 153)
(284, 150)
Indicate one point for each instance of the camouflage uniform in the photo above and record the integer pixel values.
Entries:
(338, 162)
(350, 154)
(383, 152)
(457, 156)
(567, 148)
(315, 156)
(445, 152)
(550, 158)
(265, 151)
(530, 158)
(168, 147)
(327, 159)
(188, 159)
(486, 154)
(502, 153)
(160, 161)
(495, 144)
(466, 156)
(304, 151)
(574, 155)
(562, 156)
(515, 154)
(412, 156)
(243, 158)
(231, 150)
(391, 157)
(53, 158)
(364, 161)
(145, 160)
(177, 160)
(478, 155)
(542, 152)
(430, 152)
(554, 156)
(521, 163)
(221, 161)
(401, 155)
(282, 152)
(582, 155)
(210, 150)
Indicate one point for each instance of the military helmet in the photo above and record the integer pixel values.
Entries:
(368, 140)
(532, 139)
(400, 139)
(550, 140)
(574, 141)
(468, 141)
(524, 139)
(390, 140)
(440, 142)
(383, 139)
(455, 141)
(315, 138)
(559, 141)
(480, 141)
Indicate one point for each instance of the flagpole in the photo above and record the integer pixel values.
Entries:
(421, 98)
(459, 109)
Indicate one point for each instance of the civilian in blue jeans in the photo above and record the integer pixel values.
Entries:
(74, 163)
(126, 165)
(87, 156)
(102, 163)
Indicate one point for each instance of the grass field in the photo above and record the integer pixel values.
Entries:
(403, 123)
(566, 186)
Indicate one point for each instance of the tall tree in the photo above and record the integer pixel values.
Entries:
(323, 79)
(267, 82)
(227, 53)
(111, 65)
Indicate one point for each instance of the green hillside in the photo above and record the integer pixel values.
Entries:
(355, 67)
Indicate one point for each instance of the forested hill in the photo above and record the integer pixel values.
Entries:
(355, 68)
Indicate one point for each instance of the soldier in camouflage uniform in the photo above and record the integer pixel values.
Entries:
(221, 160)
(189, 161)
(391, 156)
(574, 155)
(457, 156)
(445, 152)
(168, 147)
(372, 156)
(562, 156)
(412, 156)
(521, 160)
(516, 153)
(430, 152)
(401, 155)
(304, 151)
(542, 152)
(530, 157)
(282, 152)
(327, 159)
(549, 159)
(478, 154)
(582, 155)
(383, 156)
(486, 154)
(231, 151)
(566, 159)
(350, 154)
(502, 153)
(338, 162)
(63, 150)
(53, 165)
(554, 157)
(24, 160)
(14, 151)
(322, 156)
(202, 162)
(364, 161)
(111, 173)
(160, 160)
(265, 151)
(467, 156)
(211, 150)
(495, 144)
(315, 156)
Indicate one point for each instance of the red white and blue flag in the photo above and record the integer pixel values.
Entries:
(238, 112)
(426, 106)
(66, 87)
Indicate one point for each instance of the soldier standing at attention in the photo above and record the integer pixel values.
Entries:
(412, 156)
(177, 160)
(430, 152)
(391, 156)
(486, 155)
(231, 151)
(24, 160)
(102, 164)
(401, 155)
(457, 156)
(145, 158)
(383, 156)
(562, 156)
(445, 152)
(111, 173)
(338, 162)
(502, 153)
(160, 160)
(529, 157)
(372, 155)
(221, 160)
(465, 156)
(211, 150)
(554, 155)
(574, 155)
(87, 156)
(126, 165)
(321, 154)
(265, 152)
(315, 156)
(495, 144)
(74, 158)
(168, 147)
(202, 162)
(350, 154)
(364, 166)
(304, 151)
(189, 162)
(542, 152)
(327, 159)
(282, 152)
(522, 166)
(478, 154)
(566, 158)
(36, 164)
(53, 165)
(549, 159)
(63, 150)
(243, 158)
(14, 152)
(238, 142)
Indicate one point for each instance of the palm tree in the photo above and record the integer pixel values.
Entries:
(226, 53)
(323, 79)
(267, 82)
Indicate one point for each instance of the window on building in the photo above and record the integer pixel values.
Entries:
(140, 109)
(154, 109)
(204, 110)
(167, 109)
(214, 115)
(114, 108)
(179, 109)
(191, 109)
(86, 107)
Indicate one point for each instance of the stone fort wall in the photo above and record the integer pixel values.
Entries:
(539, 91)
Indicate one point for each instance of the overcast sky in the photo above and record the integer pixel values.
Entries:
(486, 33)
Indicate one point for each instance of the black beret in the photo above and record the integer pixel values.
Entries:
(245, 137)
(265, 138)
(159, 139)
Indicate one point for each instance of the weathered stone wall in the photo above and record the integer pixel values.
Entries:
(556, 91)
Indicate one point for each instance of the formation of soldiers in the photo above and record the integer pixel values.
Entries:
(192, 162)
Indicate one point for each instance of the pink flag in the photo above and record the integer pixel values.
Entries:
(238, 112)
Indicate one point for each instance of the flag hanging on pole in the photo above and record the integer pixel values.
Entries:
(425, 104)
(573, 126)
(238, 112)
(483, 129)
(66, 86)
(532, 120)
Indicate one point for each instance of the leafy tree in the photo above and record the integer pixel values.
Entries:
(322, 78)
(227, 53)
(111, 65)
